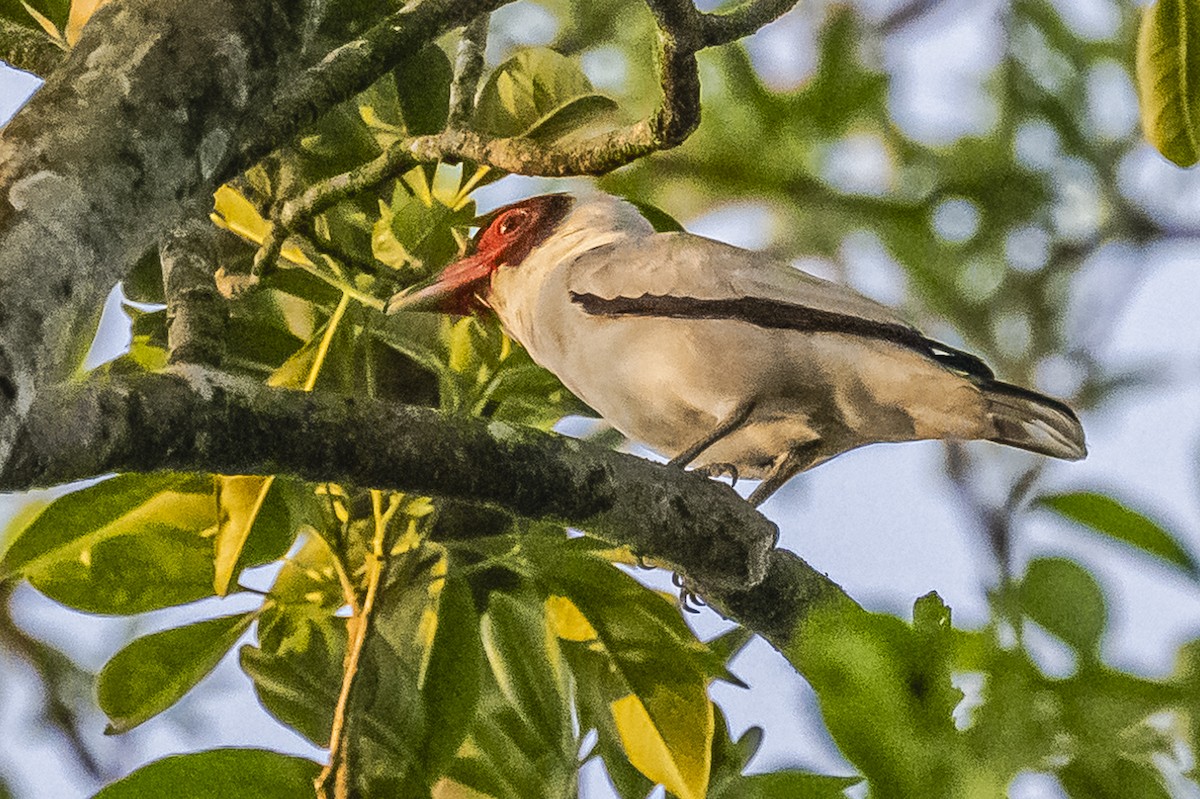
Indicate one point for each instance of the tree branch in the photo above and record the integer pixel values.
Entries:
(61, 681)
(196, 314)
(208, 422)
(351, 68)
(198, 420)
(468, 67)
(93, 152)
(718, 29)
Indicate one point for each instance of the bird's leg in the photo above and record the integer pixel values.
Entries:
(731, 423)
(786, 466)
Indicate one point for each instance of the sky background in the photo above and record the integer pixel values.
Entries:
(883, 521)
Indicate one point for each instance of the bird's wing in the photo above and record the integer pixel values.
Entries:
(684, 265)
(691, 277)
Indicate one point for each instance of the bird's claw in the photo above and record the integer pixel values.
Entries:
(719, 470)
(689, 600)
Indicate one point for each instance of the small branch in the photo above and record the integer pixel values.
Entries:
(718, 29)
(295, 213)
(55, 671)
(197, 315)
(351, 68)
(338, 769)
(907, 14)
(468, 67)
(681, 32)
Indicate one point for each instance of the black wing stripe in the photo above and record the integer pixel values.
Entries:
(779, 315)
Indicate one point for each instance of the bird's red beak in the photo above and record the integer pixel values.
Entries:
(454, 290)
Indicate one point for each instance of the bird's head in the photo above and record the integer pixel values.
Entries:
(551, 228)
(506, 237)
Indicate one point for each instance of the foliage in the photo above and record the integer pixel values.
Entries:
(1168, 67)
(488, 659)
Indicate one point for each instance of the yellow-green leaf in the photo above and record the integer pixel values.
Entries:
(239, 499)
(668, 736)
(155, 671)
(1168, 78)
(227, 773)
(44, 21)
(81, 12)
(126, 545)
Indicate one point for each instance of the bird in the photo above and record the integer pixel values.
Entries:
(729, 360)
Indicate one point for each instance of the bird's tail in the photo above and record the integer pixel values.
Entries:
(1032, 421)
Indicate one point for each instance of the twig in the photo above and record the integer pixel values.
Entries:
(907, 14)
(54, 670)
(682, 31)
(351, 68)
(338, 768)
(468, 67)
(717, 29)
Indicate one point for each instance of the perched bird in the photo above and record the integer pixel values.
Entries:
(722, 357)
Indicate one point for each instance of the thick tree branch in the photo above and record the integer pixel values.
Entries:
(137, 123)
(154, 108)
(166, 422)
(203, 421)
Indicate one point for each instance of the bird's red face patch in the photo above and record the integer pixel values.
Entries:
(506, 237)
(513, 231)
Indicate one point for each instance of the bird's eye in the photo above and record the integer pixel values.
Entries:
(511, 222)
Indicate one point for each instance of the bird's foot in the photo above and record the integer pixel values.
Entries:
(689, 600)
(718, 470)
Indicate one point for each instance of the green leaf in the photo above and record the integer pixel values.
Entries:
(219, 774)
(537, 92)
(154, 672)
(123, 546)
(418, 233)
(450, 686)
(526, 663)
(1112, 778)
(1109, 517)
(248, 506)
(299, 684)
(656, 690)
(1168, 78)
(660, 220)
(1063, 597)
(883, 698)
(144, 283)
(506, 758)
(572, 116)
(297, 668)
(423, 90)
(337, 142)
